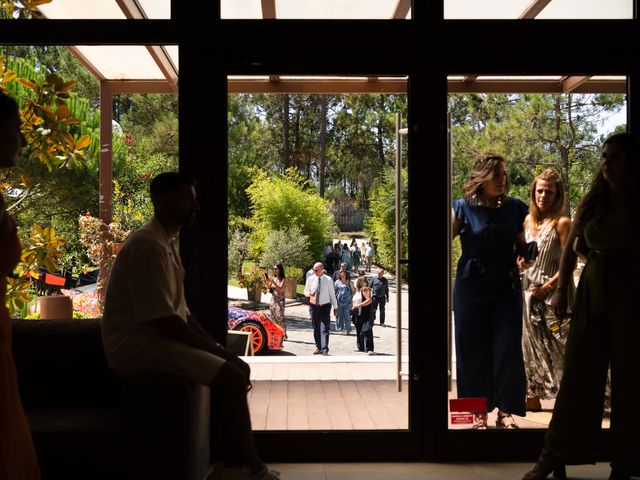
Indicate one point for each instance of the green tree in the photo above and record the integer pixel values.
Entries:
(283, 202)
(381, 224)
(533, 132)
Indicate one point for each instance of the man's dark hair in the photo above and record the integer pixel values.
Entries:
(169, 181)
(8, 106)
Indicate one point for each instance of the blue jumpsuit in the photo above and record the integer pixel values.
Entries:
(487, 305)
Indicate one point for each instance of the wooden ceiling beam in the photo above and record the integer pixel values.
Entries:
(268, 8)
(569, 84)
(534, 9)
(401, 10)
(317, 86)
(535, 86)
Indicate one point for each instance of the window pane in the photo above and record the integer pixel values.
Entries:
(559, 123)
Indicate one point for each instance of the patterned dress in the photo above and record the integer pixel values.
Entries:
(17, 455)
(543, 335)
(276, 307)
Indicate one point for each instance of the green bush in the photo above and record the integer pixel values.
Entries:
(36, 316)
(289, 247)
(238, 251)
(380, 225)
(281, 202)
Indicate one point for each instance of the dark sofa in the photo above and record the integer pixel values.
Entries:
(88, 423)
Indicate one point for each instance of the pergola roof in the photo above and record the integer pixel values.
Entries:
(456, 84)
(401, 9)
(155, 66)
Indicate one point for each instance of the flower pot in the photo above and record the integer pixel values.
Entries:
(56, 307)
(254, 294)
(290, 287)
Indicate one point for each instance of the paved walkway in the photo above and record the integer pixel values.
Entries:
(300, 332)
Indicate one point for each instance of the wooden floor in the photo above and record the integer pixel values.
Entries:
(342, 393)
(327, 395)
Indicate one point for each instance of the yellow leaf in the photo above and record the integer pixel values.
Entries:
(62, 112)
(9, 76)
(27, 83)
(83, 141)
(70, 121)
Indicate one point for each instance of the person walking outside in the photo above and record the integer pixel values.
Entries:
(321, 293)
(369, 253)
(344, 296)
(361, 317)
(379, 295)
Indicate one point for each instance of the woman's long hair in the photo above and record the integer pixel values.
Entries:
(484, 168)
(598, 194)
(557, 208)
(280, 271)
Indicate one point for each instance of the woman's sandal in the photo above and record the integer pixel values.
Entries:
(480, 421)
(506, 422)
(544, 466)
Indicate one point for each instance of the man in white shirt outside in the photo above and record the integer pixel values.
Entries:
(322, 296)
(369, 253)
(148, 328)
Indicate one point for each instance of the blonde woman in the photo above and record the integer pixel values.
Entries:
(544, 335)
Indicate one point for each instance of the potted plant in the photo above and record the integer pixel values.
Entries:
(255, 282)
(43, 249)
(294, 274)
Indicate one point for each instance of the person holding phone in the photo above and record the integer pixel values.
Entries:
(276, 306)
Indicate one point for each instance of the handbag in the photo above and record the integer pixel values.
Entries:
(354, 312)
(528, 251)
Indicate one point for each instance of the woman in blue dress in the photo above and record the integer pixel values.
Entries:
(487, 300)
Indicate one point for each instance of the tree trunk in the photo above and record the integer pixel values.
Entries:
(286, 148)
(380, 143)
(323, 144)
(296, 140)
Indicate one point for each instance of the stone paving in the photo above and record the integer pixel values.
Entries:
(300, 333)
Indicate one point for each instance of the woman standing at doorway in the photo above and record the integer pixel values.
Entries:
(604, 325)
(17, 455)
(487, 300)
(544, 335)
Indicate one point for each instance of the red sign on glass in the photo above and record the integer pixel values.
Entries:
(468, 404)
(461, 418)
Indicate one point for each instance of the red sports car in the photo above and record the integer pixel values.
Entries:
(265, 334)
